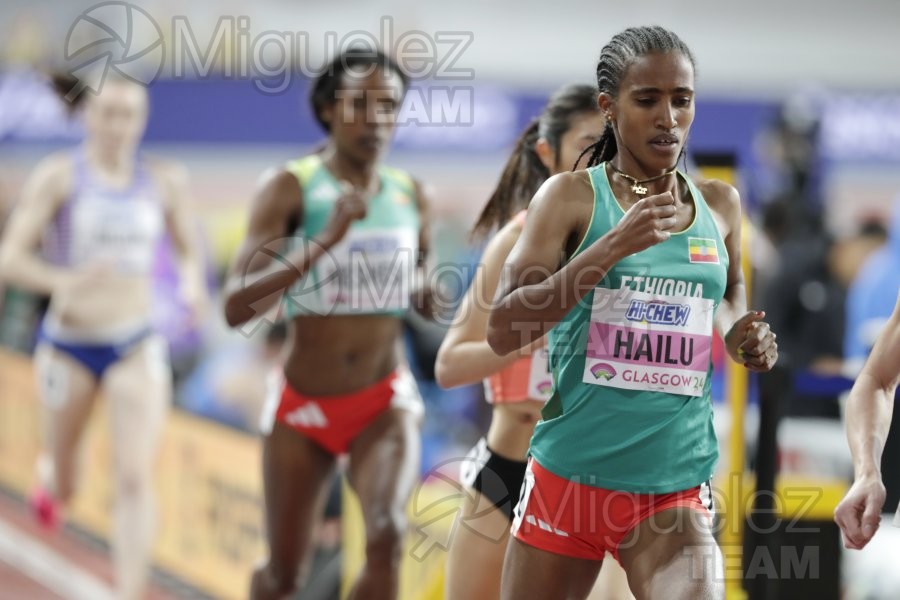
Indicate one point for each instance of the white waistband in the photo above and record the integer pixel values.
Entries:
(111, 334)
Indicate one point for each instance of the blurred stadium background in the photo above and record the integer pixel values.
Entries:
(799, 100)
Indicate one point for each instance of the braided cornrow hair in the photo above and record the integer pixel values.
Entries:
(615, 58)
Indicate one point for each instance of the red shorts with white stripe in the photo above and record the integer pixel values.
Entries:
(583, 521)
(333, 422)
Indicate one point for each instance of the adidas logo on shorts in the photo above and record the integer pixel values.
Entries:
(545, 526)
(308, 415)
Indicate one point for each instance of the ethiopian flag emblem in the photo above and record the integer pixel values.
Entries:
(703, 250)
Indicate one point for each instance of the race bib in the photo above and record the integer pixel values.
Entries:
(121, 232)
(540, 380)
(368, 271)
(649, 342)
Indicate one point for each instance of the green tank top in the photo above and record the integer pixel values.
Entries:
(371, 270)
(631, 407)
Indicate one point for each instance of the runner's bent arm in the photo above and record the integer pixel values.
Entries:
(42, 195)
(871, 403)
(256, 281)
(465, 356)
(725, 202)
(534, 293)
(179, 213)
(748, 339)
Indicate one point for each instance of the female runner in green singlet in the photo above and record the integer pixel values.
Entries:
(630, 265)
(351, 233)
(516, 384)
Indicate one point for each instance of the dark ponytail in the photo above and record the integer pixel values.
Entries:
(63, 84)
(522, 176)
(524, 172)
(602, 150)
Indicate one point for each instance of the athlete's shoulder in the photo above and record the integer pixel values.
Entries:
(307, 161)
(57, 164)
(303, 168)
(718, 192)
(518, 220)
(507, 236)
(564, 189)
(568, 182)
(55, 173)
(725, 203)
(562, 205)
(720, 196)
(400, 177)
(409, 187)
(279, 182)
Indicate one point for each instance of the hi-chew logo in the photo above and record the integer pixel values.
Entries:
(604, 371)
(658, 313)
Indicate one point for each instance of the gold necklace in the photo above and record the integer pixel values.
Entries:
(636, 184)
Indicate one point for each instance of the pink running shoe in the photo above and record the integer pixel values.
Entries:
(45, 509)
